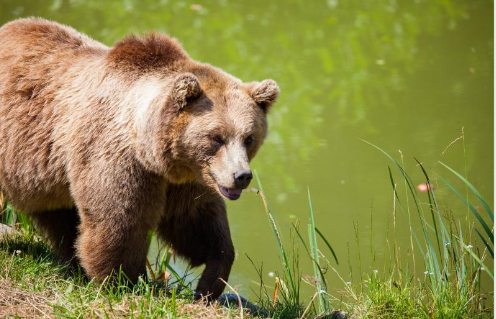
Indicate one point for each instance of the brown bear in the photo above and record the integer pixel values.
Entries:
(101, 145)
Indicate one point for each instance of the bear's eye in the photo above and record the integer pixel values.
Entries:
(248, 140)
(218, 139)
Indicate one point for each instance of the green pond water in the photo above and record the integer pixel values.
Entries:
(404, 75)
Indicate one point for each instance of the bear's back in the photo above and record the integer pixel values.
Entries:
(38, 33)
(34, 52)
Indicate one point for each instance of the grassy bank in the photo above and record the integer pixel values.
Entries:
(33, 285)
(440, 277)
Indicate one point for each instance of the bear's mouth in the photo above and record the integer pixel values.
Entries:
(230, 193)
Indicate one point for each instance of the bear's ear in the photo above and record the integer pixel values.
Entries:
(185, 89)
(264, 93)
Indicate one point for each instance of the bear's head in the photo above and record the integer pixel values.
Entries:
(202, 125)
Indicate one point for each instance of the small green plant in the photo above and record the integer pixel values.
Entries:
(8, 215)
(290, 296)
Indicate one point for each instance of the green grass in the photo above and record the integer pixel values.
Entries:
(34, 284)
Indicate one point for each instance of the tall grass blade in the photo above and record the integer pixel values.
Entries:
(432, 194)
(393, 184)
(463, 272)
(485, 243)
(444, 255)
(301, 239)
(434, 221)
(398, 166)
(470, 251)
(473, 189)
(472, 209)
(328, 245)
(324, 304)
(277, 235)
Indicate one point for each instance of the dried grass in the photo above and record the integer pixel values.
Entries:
(18, 302)
(21, 303)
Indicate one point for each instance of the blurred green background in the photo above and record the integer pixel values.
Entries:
(404, 75)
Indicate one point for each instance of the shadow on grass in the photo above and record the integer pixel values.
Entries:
(27, 244)
(24, 253)
(35, 256)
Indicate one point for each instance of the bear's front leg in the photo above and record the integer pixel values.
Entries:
(197, 228)
(107, 244)
(216, 272)
(117, 207)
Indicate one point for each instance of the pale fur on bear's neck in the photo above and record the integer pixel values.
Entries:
(139, 112)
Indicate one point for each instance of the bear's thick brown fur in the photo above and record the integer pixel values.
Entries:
(100, 145)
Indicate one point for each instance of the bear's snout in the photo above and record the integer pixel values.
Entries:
(242, 178)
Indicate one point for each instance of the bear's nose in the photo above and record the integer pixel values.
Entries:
(242, 178)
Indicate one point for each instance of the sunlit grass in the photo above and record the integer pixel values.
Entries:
(34, 284)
